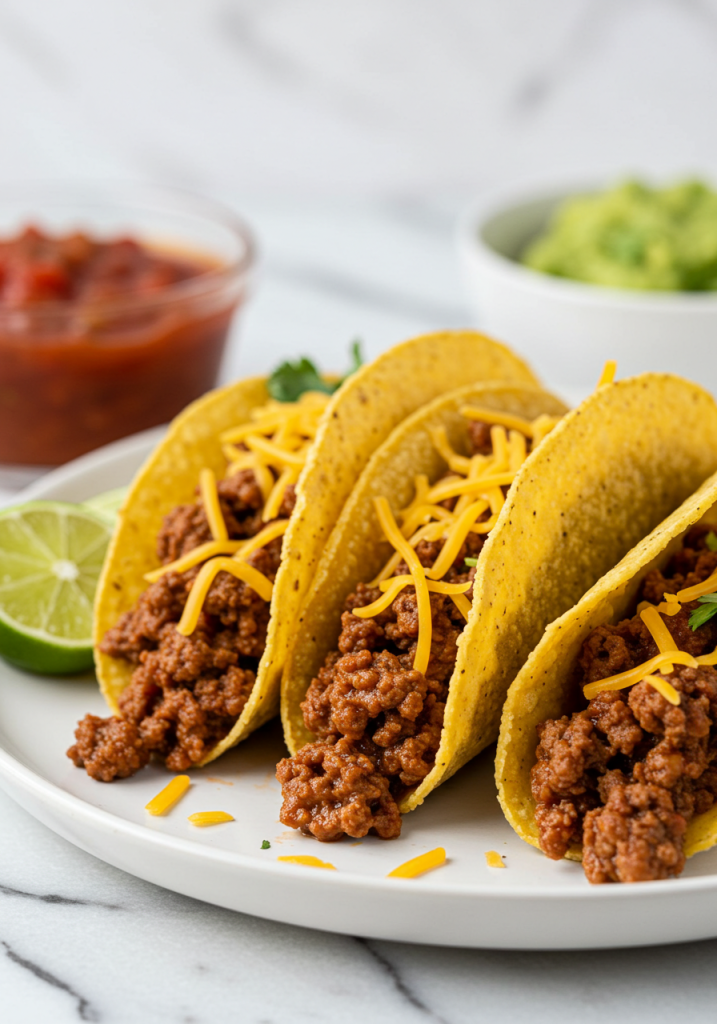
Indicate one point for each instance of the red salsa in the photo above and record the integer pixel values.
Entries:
(100, 339)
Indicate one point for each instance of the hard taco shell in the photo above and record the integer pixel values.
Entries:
(544, 688)
(358, 418)
(604, 477)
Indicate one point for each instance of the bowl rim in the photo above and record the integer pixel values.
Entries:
(139, 196)
(500, 200)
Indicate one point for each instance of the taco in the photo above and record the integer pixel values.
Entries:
(467, 533)
(608, 744)
(216, 544)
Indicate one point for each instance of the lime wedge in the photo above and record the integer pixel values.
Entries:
(51, 554)
(107, 504)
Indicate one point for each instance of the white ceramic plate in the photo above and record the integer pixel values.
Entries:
(533, 904)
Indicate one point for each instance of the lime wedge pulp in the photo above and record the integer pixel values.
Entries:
(51, 554)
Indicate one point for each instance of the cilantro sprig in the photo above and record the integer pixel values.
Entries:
(289, 381)
(265, 844)
(708, 610)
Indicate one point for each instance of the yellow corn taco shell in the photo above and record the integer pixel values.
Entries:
(543, 689)
(357, 419)
(604, 477)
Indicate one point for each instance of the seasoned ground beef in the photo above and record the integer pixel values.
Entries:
(625, 775)
(185, 693)
(108, 748)
(377, 720)
(333, 789)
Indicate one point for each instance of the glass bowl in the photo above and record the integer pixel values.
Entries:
(76, 374)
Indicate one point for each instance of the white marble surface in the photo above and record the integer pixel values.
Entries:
(374, 96)
(82, 941)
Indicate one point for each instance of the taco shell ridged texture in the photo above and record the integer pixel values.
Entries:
(356, 550)
(358, 418)
(607, 474)
(544, 687)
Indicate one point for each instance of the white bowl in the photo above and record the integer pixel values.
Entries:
(567, 329)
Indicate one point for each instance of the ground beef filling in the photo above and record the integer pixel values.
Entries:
(626, 775)
(185, 693)
(377, 721)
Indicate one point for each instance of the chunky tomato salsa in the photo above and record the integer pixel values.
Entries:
(100, 339)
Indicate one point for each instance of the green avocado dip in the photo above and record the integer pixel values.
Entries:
(634, 236)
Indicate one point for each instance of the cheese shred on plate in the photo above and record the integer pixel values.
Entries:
(493, 859)
(275, 445)
(166, 799)
(307, 861)
(476, 482)
(419, 865)
(202, 819)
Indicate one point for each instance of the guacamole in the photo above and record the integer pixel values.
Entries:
(634, 236)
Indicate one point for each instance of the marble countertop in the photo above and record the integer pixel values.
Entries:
(81, 941)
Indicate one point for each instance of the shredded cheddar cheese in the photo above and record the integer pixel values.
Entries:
(195, 556)
(264, 479)
(651, 616)
(659, 633)
(476, 483)
(210, 500)
(517, 450)
(205, 577)
(308, 861)
(202, 819)
(166, 799)
(453, 488)
(493, 859)
(462, 604)
(393, 587)
(640, 672)
(271, 510)
(504, 419)
(709, 586)
(419, 865)
(663, 687)
(262, 538)
(396, 585)
(454, 540)
(274, 454)
(274, 444)
(396, 538)
(499, 441)
(458, 463)
(608, 373)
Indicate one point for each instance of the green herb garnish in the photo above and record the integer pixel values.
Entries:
(701, 615)
(471, 561)
(289, 381)
(265, 844)
(711, 540)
